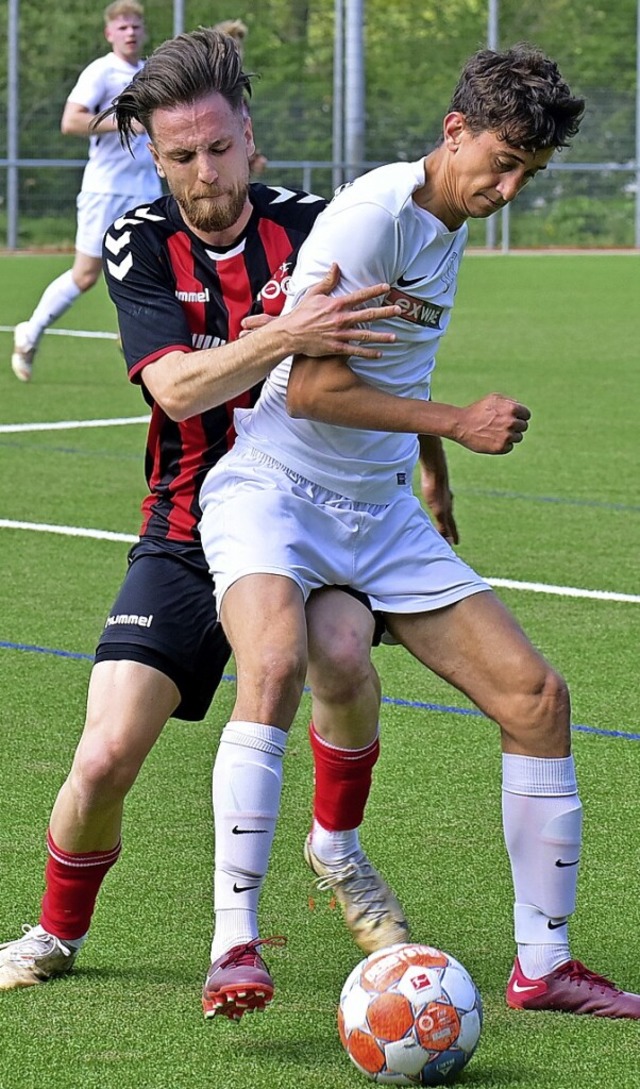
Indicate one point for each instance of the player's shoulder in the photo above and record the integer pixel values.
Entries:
(97, 67)
(290, 208)
(390, 187)
(145, 227)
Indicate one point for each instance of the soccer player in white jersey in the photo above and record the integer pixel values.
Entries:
(114, 180)
(318, 490)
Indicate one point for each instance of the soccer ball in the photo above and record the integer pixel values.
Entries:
(410, 1015)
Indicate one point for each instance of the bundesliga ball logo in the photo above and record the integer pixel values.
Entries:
(410, 1015)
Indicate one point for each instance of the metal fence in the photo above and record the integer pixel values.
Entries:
(589, 197)
(589, 205)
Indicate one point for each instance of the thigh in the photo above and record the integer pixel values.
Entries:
(128, 705)
(477, 646)
(264, 620)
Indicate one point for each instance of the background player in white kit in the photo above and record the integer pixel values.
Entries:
(114, 179)
(298, 504)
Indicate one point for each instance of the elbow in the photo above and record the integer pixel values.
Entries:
(176, 409)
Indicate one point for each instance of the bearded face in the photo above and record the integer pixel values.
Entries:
(215, 210)
(203, 148)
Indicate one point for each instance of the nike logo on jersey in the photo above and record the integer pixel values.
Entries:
(248, 831)
(403, 282)
(243, 888)
(559, 862)
(556, 926)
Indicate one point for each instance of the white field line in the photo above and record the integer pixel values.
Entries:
(63, 425)
(509, 584)
(68, 531)
(90, 334)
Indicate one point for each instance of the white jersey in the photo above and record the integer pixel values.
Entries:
(112, 168)
(376, 232)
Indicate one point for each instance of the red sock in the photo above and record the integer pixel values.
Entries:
(342, 782)
(72, 886)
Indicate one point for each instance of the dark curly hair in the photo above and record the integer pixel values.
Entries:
(180, 71)
(520, 95)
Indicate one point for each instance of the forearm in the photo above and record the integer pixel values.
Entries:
(433, 459)
(330, 392)
(188, 383)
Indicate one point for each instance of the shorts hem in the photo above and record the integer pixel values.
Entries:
(305, 588)
(417, 604)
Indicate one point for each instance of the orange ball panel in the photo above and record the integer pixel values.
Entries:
(363, 1048)
(390, 1016)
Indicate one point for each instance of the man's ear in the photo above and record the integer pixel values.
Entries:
(154, 155)
(453, 128)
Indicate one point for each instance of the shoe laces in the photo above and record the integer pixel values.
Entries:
(35, 941)
(576, 972)
(248, 951)
(358, 879)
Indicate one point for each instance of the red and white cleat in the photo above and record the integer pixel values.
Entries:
(239, 981)
(571, 988)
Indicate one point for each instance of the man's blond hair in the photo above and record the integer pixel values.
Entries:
(122, 7)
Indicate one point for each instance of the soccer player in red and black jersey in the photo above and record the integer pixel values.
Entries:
(183, 273)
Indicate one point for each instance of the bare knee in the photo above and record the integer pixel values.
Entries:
(84, 280)
(341, 670)
(103, 771)
(538, 721)
(270, 684)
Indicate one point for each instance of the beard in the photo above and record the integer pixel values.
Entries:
(214, 213)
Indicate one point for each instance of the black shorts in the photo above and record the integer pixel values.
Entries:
(165, 617)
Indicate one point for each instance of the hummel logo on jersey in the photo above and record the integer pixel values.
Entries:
(114, 245)
(559, 862)
(289, 194)
(415, 310)
(201, 341)
(243, 888)
(130, 618)
(248, 831)
(193, 296)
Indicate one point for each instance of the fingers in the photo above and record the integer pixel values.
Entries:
(327, 283)
(374, 313)
(364, 294)
(256, 321)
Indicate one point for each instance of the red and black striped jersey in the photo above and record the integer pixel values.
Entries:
(172, 291)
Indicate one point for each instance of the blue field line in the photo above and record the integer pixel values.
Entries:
(391, 701)
(560, 500)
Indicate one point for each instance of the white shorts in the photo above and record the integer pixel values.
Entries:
(261, 518)
(95, 213)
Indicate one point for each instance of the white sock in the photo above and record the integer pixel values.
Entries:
(542, 820)
(55, 300)
(333, 848)
(247, 780)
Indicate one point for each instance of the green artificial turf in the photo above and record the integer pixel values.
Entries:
(559, 333)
